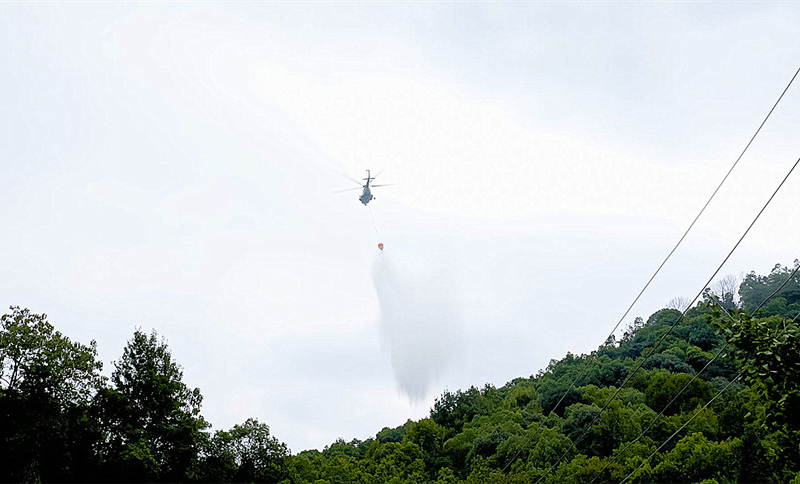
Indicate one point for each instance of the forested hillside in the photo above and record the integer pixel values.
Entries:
(709, 395)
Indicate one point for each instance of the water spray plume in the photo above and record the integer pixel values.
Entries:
(420, 323)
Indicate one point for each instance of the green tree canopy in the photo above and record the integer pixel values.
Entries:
(151, 417)
(46, 382)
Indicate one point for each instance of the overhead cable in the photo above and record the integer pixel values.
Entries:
(683, 314)
(739, 375)
(696, 376)
(691, 225)
(669, 255)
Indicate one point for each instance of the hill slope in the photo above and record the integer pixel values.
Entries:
(708, 395)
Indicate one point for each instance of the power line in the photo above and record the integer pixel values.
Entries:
(739, 375)
(627, 311)
(683, 314)
(683, 426)
(689, 228)
(697, 375)
(586, 365)
(621, 452)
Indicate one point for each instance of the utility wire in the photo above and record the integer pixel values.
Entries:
(687, 230)
(621, 452)
(683, 314)
(739, 375)
(683, 426)
(627, 311)
(697, 375)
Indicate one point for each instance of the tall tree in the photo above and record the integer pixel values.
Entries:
(152, 419)
(46, 382)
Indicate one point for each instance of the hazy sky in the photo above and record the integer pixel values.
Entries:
(171, 166)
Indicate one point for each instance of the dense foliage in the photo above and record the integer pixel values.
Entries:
(717, 400)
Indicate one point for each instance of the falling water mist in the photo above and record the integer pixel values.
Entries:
(420, 321)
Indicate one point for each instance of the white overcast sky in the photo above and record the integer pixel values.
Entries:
(171, 166)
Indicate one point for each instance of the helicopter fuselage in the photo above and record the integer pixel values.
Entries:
(366, 195)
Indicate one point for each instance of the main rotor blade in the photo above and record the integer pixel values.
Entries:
(383, 185)
(348, 189)
(352, 179)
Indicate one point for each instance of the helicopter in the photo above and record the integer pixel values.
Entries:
(366, 194)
